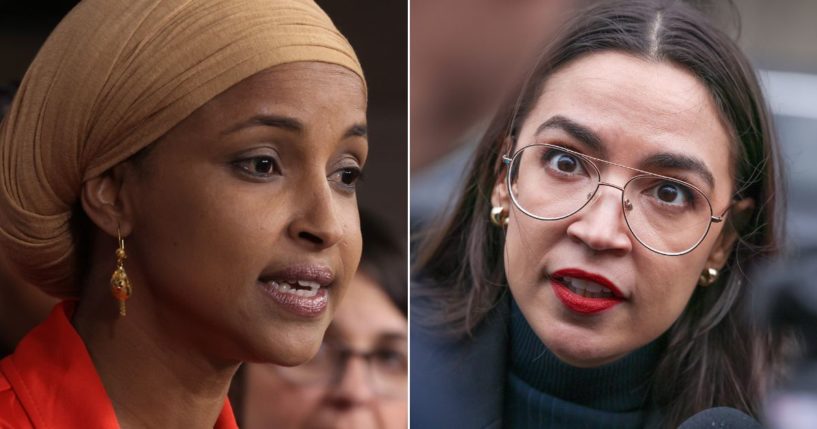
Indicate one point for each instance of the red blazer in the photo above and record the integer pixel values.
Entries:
(50, 381)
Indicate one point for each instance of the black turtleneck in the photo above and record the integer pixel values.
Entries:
(544, 392)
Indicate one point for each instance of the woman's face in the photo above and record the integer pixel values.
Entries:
(631, 112)
(367, 322)
(244, 230)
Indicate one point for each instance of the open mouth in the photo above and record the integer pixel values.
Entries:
(584, 287)
(584, 292)
(301, 289)
(304, 288)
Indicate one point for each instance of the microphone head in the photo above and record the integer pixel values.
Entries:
(720, 418)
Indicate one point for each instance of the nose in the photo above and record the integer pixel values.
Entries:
(600, 225)
(353, 388)
(317, 223)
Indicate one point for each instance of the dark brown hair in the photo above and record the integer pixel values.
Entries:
(715, 356)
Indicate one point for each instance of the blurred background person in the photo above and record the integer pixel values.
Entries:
(359, 377)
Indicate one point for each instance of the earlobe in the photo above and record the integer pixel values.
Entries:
(102, 201)
(499, 195)
(729, 234)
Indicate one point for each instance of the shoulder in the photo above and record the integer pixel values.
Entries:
(50, 380)
(12, 413)
(459, 381)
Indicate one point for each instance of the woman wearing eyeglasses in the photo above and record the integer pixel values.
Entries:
(359, 378)
(593, 272)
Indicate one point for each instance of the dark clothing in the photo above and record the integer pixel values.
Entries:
(494, 379)
(544, 392)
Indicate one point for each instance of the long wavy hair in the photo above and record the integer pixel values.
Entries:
(715, 356)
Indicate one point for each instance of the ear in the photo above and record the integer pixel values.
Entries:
(103, 200)
(729, 234)
(499, 195)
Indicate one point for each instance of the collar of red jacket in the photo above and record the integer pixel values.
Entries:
(55, 380)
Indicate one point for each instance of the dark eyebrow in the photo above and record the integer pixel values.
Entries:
(382, 337)
(357, 130)
(658, 161)
(577, 131)
(276, 121)
(392, 336)
(290, 124)
(676, 161)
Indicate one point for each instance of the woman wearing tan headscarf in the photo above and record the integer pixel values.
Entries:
(183, 174)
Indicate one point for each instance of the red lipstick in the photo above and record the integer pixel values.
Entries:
(577, 297)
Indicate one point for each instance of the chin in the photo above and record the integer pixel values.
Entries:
(583, 360)
(580, 352)
(288, 349)
(350, 419)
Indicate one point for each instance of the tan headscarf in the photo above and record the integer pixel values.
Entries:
(111, 79)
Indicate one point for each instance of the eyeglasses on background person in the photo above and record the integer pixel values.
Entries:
(666, 215)
(386, 368)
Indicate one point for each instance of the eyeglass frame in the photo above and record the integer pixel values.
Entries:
(340, 366)
(508, 161)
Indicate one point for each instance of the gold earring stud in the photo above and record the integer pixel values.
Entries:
(708, 277)
(120, 283)
(498, 216)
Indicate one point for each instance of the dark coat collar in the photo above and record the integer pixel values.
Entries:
(460, 382)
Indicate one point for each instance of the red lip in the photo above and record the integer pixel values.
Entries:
(583, 304)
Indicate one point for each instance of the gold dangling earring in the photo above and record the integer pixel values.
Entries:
(120, 283)
(708, 277)
(498, 216)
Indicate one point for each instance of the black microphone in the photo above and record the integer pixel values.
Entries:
(720, 418)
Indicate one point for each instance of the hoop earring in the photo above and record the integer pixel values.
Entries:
(498, 216)
(708, 277)
(120, 283)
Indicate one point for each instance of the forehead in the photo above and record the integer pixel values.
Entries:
(309, 90)
(636, 107)
(366, 314)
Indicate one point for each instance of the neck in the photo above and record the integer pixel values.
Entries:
(619, 386)
(155, 375)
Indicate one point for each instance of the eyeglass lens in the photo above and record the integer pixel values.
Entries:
(551, 183)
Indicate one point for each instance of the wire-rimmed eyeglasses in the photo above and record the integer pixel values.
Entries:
(666, 215)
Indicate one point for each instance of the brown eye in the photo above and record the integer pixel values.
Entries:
(349, 176)
(346, 178)
(393, 361)
(259, 166)
(563, 163)
(263, 165)
(566, 163)
(673, 194)
(667, 193)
